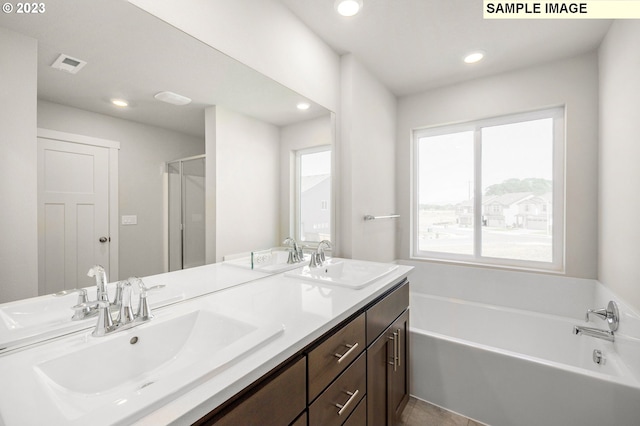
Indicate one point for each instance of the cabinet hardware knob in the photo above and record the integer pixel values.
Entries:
(352, 396)
(341, 357)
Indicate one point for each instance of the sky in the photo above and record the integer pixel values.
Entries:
(519, 150)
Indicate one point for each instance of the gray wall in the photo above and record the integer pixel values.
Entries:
(366, 161)
(18, 160)
(242, 184)
(572, 82)
(143, 151)
(295, 137)
(619, 203)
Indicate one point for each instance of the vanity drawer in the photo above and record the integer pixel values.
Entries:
(340, 399)
(333, 355)
(383, 313)
(277, 403)
(359, 415)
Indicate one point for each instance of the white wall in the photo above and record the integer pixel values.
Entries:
(143, 151)
(619, 204)
(18, 160)
(263, 35)
(572, 82)
(294, 137)
(366, 161)
(246, 191)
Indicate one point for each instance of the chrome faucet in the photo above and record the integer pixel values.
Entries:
(295, 251)
(82, 298)
(126, 318)
(318, 258)
(100, 274)
(594, 332)
(84, 308)
(610, 314)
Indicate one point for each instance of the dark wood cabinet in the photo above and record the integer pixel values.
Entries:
(339, 400)
(398, 385)
(359, 415)
(279, 400)
(354, 375)
(387, 362)
(334, 355)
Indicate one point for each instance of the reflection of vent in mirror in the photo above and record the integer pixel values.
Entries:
(68, 64)
(172, 98)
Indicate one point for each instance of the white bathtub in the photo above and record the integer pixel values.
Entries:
(512, 367)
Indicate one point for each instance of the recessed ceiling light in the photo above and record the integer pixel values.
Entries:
(303, 106)
(348, 7)
(474, 57)
(120, 102)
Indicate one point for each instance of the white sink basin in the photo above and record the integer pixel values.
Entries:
(159, 349)
(354, 274)
(81, 378)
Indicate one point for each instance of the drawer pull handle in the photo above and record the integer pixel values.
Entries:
(341, 357)
(352, 396)
(393, 356)
(399, 348)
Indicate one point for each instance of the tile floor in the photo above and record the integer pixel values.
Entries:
(420, 413)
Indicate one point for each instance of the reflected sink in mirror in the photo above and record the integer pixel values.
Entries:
(354, 274)
(271, 260)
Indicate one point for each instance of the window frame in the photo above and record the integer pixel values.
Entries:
(557, 263)
(297, 228)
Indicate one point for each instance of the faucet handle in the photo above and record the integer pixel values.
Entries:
(315, 261)
(144, 310)
(610, 314)
(82, 294)
(83, 308)
(126, 310)
(105, 322)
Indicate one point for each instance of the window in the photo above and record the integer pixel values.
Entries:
(491, 191)
(313, 192)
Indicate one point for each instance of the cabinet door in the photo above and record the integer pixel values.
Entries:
(387, 374)
(398, 389)
(377, 370)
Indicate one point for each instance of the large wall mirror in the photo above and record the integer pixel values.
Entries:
(247, 126)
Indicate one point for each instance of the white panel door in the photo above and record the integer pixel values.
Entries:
(73, 213)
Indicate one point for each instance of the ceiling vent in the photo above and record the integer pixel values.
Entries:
(68, 64)
(172, 98)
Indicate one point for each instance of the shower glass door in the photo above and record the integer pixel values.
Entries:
(186, 180)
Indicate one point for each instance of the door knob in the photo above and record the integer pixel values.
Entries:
(104, 239)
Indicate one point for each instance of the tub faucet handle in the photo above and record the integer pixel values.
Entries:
(610, 314)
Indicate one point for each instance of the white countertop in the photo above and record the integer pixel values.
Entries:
(306, 310)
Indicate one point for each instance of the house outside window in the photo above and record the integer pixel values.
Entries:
(491, 191)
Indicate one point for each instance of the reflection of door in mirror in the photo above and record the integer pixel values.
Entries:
(186, 199)
(73, 212)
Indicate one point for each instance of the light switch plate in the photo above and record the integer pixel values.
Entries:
(129, 220)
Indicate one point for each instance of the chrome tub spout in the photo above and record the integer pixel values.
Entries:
(593, 332)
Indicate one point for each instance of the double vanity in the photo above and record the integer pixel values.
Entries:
(314, 346)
